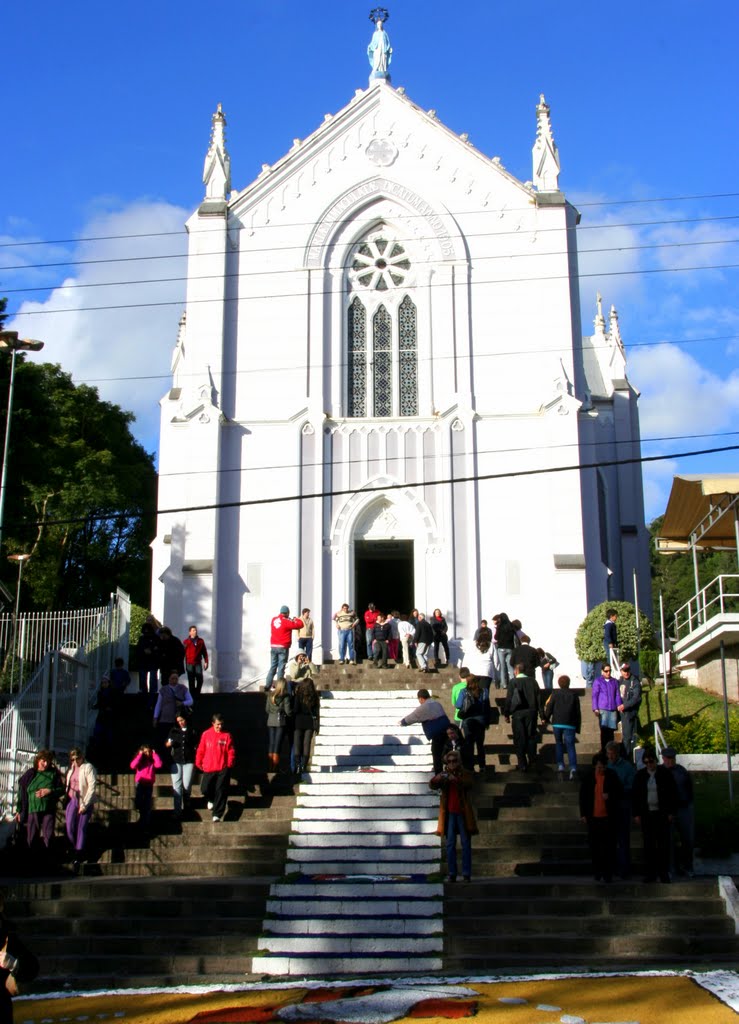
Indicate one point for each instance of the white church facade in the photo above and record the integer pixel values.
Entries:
(381, 392)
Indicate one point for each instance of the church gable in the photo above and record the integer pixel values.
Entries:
(380, 134)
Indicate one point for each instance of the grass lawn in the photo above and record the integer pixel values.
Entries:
(685, 703)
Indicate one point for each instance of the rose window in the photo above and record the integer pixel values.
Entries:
(379, 264)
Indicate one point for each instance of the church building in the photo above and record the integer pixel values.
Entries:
(381, 392)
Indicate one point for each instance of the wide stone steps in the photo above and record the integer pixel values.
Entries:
(350, 825)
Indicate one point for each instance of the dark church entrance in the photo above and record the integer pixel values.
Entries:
(383, 574)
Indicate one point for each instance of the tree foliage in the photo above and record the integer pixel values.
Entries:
(589, 637)
(673, 574)
(81, 492)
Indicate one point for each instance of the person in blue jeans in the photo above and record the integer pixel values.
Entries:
(456, 816)
(346, 620)
(562, 709)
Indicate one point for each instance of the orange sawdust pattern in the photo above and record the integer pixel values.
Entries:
(646, 1000)
(446, 1009)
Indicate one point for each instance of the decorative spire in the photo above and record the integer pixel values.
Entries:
(545, 153)
(615, 329)
(600, 321)
(379, 51)
(217, 170)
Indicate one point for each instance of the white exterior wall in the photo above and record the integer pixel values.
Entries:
(498, 370)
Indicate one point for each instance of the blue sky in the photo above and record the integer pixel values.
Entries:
(106, 118)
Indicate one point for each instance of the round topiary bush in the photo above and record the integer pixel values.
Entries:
(589, 636)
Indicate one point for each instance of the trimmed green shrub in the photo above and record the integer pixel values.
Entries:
(589, 637)
(700, 735)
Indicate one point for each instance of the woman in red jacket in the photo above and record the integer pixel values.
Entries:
(215, 759)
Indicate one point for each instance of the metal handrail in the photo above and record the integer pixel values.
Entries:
(713, 599)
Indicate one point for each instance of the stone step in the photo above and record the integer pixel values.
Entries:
(354, 909)
(507, 923)
(331, 926)
(358, 813)
(351, 945)
(325, 827)
(375, 798)
(331, 966)
(366, 840)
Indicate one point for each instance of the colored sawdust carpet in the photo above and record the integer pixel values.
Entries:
(613, 999)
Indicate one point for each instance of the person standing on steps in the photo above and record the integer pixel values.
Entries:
(181, 744)
(80, 783)
(434, 722)
(405, 635)
(456, 815)
(380, 640)
(610, 637)
(562, 709)
(215, 758)
(173, 696)
(521, 707)
(605, 700)
(370, 618)
(654, 803)
(600, 798)
(683, 826)
(307, 634)
(196, 659)
(281, 637)
(307, 717)
(505, 640)
(423, 637)
(473, 707)
(630, 695)
(346, 620)
(626, 773)
(440, 631)
(279, 710)
(145, 764)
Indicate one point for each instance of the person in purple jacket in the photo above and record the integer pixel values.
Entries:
(606, 699)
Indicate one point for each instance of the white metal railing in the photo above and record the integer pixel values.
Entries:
(52, 709)
(37, 633)
(721, 596)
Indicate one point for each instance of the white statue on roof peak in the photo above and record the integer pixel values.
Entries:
(379, 51)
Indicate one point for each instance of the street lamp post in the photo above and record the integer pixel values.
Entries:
(10, 341)
(21, 560)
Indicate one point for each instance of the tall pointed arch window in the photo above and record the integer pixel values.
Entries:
(382, 330)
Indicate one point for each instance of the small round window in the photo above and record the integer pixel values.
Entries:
(379, 264)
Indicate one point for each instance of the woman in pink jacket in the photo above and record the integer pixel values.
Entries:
(145, 765)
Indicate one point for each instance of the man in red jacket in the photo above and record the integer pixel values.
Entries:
(281, 638)
(196, 659)
(215, 759)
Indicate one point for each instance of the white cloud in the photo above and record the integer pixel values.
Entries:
(679, 395)
(131, 264)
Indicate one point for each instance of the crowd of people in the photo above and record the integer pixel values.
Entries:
(614, 794)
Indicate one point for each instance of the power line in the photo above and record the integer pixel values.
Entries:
(341, 290)
(302, 246)
(453, 213)
(475, 478)
(462, 454)
(416, 263)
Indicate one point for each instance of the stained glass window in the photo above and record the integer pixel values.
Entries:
(357, 359)
(382, 330)
(408, 361)
(382, 357)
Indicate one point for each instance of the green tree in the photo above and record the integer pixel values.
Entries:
(589, 637)
(673, 574)
(81, 492)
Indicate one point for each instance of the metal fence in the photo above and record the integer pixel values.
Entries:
(53, 708)
(720, 597)
(35, 634)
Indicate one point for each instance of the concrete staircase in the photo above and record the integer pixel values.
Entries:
(363, 894)
(272, 891)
